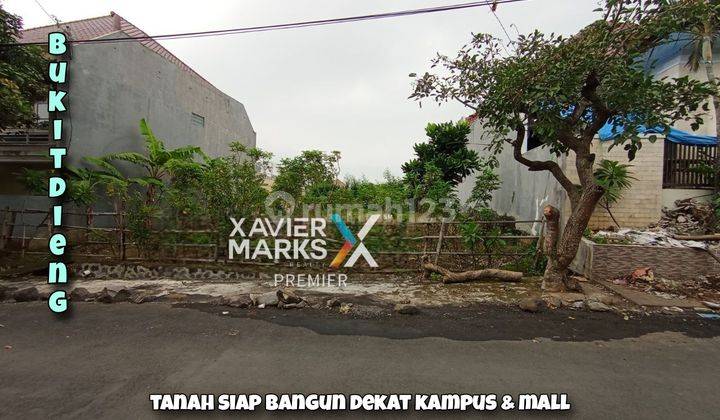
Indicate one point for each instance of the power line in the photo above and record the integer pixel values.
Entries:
(293, 25)
(502, 26)
(493, 6)
(52, 17)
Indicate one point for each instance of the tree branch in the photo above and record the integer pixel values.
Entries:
(547, 165)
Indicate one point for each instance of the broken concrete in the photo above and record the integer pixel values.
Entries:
(264, 299)
(406, 309)
(531, 304)
(647, 299)
(26, 295)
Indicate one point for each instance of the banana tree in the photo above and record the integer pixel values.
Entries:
(158, 162)
(116, 186)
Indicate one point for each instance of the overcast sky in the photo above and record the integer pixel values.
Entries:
(341, 87)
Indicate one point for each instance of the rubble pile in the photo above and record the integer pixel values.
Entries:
(650, 237)
(704, 288)
(689, 217)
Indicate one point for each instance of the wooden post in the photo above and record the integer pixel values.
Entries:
(540, 245)
(440, 240)
(49, 221)
(121, 226)
(426, 233)
(89, 222)
(7, 222)
(22, 244)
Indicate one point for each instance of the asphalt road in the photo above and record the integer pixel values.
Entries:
(105, 360)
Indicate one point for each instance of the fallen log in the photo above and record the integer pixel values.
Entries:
(488, 275)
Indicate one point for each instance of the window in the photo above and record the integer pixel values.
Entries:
(533, 140)
(41, 110)
(197, 120)
(681, 163)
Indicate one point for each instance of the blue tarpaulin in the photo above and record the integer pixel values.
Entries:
(610, 131)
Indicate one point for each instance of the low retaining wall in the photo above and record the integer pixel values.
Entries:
(146, 272)
(606, 261)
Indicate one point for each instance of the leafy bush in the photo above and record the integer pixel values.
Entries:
(615, 178)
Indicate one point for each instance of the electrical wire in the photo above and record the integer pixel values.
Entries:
(502, 26)
(492, 7)
(293, 25)
(52, 17)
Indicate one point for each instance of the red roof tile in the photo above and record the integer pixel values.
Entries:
(101, 26)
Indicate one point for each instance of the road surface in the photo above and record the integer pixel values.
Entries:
(105, 360)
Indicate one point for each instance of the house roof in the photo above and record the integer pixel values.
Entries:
(101, 26)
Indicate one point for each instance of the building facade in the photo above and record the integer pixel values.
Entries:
(111, 87)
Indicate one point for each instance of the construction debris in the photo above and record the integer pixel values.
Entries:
(596, 306)
(704, 288)
(264, 299)
(26, 295)
(406, 309)
(649, 237)
(689, 216)
(531, 304)
(712, 305)
(288, 297)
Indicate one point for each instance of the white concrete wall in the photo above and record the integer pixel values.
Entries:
(676, 67)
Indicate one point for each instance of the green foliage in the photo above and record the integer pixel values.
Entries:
(35, 182)
(476, 235)
(567, 88)
(441, 163)
(615, 178)
(486, 183)
(158, 162)
(139, 213)
(431, 185)
(472, 234)
(528, 263)
(359, 196)
(22, 75)
(81, 184)
(313, 172)
(705, 27)
(233, 185)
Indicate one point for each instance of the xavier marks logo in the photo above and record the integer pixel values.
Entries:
(350, 242)
(298, 239)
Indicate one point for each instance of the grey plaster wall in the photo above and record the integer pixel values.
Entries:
(113, 86)
(523, 194)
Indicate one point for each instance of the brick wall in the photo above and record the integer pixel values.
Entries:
(606, 262)
(642, 203)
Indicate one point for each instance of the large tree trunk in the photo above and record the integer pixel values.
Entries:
(553, 279)
(561, 252)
